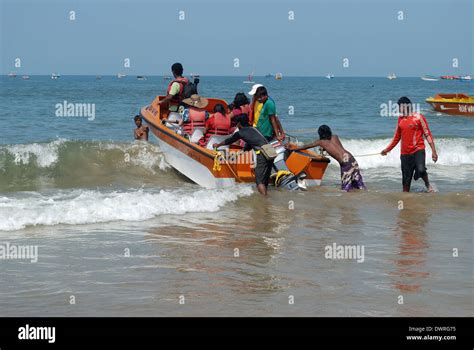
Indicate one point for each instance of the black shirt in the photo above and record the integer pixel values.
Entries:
(252, 137)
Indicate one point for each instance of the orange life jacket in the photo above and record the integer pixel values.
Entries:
(245, 109)
(197, 119)
(176, 100)
(221, 125)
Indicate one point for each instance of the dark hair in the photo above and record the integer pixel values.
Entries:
(324, 132)
(219, 108)
(243, 119)
(137, 117)
(240, 99)
(404, 101)
(261, 91)
(177, 69)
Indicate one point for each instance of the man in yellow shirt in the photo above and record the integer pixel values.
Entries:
(256, 105)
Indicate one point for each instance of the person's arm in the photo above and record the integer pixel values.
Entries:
(293, 147)
(235, 137)
(173, 91)
(279, 135)
(396, 138)
(429, 137)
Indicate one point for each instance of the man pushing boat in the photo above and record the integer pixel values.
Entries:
(351, 177)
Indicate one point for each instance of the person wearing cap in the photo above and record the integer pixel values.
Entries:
(267, 122)
(255, 106)
(253, 140)
(195, 114)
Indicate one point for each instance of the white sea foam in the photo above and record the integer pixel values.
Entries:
(46, 153)
(85, 207)
(451, 152)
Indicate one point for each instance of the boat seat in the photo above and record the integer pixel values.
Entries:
(217, 139)
(197, 134)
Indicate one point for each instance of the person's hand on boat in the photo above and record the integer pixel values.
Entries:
(280, 137)
(291, 146)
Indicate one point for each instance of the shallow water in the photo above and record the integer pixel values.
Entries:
(87, 195)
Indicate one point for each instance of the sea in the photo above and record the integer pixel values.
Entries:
(118, 232)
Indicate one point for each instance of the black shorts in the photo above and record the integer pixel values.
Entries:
(263, 170)
(413, 166)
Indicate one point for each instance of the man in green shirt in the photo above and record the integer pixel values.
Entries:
(174, 93)
(267, 123)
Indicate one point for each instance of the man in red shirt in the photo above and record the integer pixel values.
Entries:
(410, 129)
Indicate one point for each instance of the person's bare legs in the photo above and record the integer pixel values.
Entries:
(429, 188)
(262, 189)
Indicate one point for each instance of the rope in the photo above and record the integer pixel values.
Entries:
(368, 155)
(217, 165)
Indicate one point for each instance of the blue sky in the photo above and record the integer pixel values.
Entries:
(258, 33)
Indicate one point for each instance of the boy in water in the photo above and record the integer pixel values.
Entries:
(350, 173)
(141, 132)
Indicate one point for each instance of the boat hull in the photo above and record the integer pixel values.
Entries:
(453, 104)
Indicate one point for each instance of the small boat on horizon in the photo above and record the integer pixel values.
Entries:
(25, 77)
(329, 76)
(249, 79)
(391, 76)
(429, 78)
(278, 76)
(449, 77)
(167, 77)
(141, 77)
(269, 75)
(12, 75)
(55, 76)
(121, 75)
(465, 78)
(453, 104)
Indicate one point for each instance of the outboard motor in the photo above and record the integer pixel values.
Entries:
(284, 177)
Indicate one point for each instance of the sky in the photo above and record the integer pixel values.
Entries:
(374, 36)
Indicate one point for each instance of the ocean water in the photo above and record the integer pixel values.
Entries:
(124, 234)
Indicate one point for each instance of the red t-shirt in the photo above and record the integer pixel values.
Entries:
(411, 130)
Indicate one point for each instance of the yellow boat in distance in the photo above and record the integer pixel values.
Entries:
(453, 104)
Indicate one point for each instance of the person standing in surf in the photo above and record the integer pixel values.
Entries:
(410, 130)
(141, 131)
(351, 177)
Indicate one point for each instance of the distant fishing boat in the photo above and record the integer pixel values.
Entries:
(429, 78)
(278, 76)
(12, 75)
(55, 76)
(465, 78)
(454, 104)
(121, 75)
(449, 77)
(391, 76)
(166, 77)
(25, 77)
(141, 77)
(269, 75)
(249, 79)
(329, 76)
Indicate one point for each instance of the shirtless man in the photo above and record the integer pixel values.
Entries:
(350, 173)
(141, 132)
